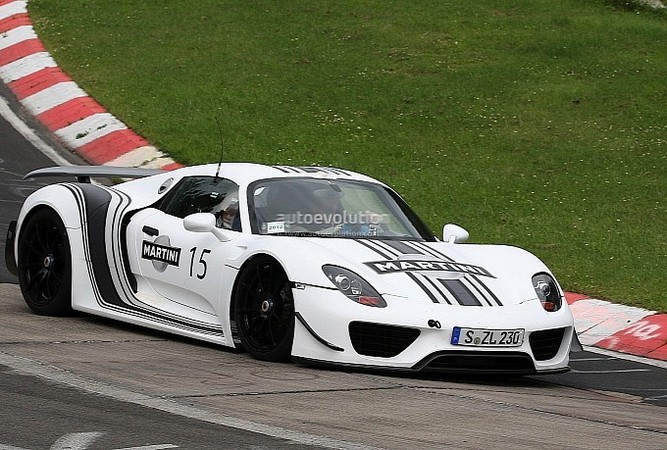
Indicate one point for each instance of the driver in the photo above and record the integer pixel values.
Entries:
(227, 214)
(331, 218)
(327, 211)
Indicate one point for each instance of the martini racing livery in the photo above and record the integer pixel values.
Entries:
(318, 264)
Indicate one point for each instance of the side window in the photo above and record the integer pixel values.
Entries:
(218, 196)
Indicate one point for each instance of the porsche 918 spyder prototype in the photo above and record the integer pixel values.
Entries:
(318, 264)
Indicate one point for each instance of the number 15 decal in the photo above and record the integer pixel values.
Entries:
(202, 266)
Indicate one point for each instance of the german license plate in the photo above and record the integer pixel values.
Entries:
(477, 337)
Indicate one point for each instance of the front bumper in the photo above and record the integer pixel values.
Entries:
(399, 336)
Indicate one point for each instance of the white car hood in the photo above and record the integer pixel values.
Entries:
(433, 272)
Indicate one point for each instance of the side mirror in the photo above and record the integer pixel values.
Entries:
(454, 234)
(204, 223)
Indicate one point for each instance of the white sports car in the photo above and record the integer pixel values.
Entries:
(322, 265)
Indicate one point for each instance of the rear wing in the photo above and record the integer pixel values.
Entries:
(84, 173)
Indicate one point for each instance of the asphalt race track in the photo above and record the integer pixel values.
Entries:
(85, 382)
(125, 424)
(99, 376)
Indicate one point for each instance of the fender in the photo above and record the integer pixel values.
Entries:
(86, 222)
(93, 205)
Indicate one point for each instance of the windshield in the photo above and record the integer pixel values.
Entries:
(331, 208)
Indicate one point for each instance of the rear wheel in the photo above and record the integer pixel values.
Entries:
(45, 264)
(264, 310)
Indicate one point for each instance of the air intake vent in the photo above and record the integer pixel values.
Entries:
(546, 343)
(384, 341)
(509, 363)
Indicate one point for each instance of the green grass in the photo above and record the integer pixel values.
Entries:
(537, 124)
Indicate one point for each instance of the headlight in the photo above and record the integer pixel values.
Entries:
(547, 291)
(353, 286)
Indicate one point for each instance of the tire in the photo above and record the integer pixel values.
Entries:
(45, 264)
(264, 310)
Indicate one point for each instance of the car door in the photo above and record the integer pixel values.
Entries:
(178, 271)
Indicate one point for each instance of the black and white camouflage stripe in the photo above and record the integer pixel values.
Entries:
(102, 210)
(466, 289)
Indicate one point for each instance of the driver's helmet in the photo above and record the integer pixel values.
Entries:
(227, 213)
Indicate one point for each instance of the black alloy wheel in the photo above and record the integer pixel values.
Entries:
(45, 264)
(264, 310)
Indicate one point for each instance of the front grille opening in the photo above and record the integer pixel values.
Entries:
(384, 341)
(474, 361)
(546, 343)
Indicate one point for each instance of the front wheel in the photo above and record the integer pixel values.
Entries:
(264, 310)
(45, 264)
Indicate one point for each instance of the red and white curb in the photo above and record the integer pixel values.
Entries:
(620, 328)
(85, 127)
(47, 93)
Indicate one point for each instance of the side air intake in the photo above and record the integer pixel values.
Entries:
(546, 343)
(384, 341)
